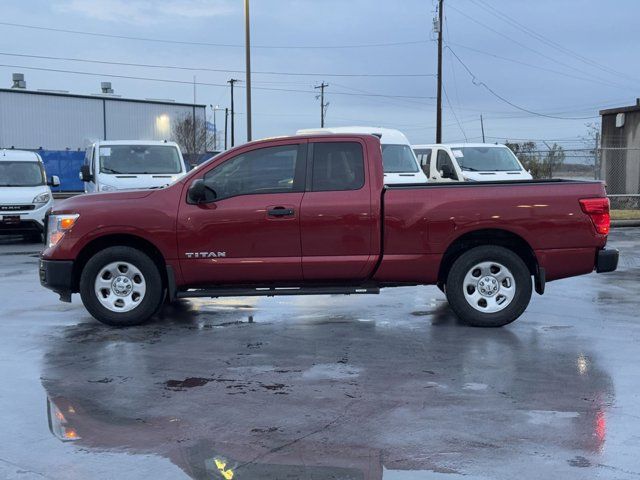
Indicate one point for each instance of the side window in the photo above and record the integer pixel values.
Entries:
(337, 166)
(424, 158)
(445, 160)
(266, 170)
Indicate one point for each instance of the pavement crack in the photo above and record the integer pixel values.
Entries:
(298, 439)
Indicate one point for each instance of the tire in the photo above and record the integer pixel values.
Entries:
(121, 287)
(489, 286)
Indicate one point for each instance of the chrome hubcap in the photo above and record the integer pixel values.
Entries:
(489, 287)
(120, 286)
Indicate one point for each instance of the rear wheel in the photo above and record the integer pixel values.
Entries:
(489, 286)
(121, 286)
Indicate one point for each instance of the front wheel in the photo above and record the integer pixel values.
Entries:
(121, 286)
(489, 286)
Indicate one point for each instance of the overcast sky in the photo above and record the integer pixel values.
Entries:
(560, 58)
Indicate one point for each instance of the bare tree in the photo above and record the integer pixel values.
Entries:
(553, 160)
(191, 134)
(529, 156)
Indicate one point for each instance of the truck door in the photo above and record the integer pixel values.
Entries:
(443, 170)
(248, 231)
(337, 221)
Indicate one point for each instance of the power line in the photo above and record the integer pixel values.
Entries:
(209, 44)
(186, 82)
(390, 101)
(532, 33)
(454, 113)
(527, 47)
(477, 82)
(531, 65)
(216, 70)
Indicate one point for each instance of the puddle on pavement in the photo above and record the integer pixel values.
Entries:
(315, 400)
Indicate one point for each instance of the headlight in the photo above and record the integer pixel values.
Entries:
(107, 188)
(42, 198)
(58, 225)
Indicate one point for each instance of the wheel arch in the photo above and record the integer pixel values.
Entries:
(496, 237)
(117, 240)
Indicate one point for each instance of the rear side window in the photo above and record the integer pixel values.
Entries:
(337, 166)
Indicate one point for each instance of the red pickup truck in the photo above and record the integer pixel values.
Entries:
(311, 215)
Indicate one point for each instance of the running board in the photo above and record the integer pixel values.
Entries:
(273, 291)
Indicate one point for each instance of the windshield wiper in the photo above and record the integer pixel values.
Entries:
(469, 169)
(110, 170)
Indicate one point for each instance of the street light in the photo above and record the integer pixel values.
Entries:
(247, 34)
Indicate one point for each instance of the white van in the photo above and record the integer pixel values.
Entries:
(131, 164)
(470, 162)
(400, 163)
(25, 196)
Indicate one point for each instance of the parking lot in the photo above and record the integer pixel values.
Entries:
(359, 387)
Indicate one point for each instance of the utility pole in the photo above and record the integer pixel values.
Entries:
(233, 134)
(323, 106)
(439, 101)
(226, 121)
(482, 127)
(247, 33)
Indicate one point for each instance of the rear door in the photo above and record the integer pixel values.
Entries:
(250, 232)
(338, 225)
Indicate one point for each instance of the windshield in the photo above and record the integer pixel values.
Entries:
(486, 159)
(398, 159)
(134, 159)
(21, 174)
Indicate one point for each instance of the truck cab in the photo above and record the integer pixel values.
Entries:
(131, 164)
(469, 162)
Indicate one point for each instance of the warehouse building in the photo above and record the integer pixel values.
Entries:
(60, 125)
(620, 143)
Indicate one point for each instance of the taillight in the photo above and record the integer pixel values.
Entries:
(598, 211)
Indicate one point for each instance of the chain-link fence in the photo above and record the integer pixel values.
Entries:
(617, 166)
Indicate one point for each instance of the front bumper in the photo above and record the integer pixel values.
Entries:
(24, 221)
(607, 260)
(21, 226)
(57, 275)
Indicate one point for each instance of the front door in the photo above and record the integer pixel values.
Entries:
(248, 231)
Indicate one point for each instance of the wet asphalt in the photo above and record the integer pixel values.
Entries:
(361, 387)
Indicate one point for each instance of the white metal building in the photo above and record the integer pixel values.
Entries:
(63, 121)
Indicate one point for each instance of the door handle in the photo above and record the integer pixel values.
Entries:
(280, 212)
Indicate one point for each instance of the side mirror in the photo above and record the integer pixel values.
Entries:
(447, 172)
(85, 174)
(54, 181)
(199, 192)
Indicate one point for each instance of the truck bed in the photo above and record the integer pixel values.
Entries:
(423, 221)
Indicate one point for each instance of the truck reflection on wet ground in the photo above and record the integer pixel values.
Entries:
(330, 394)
